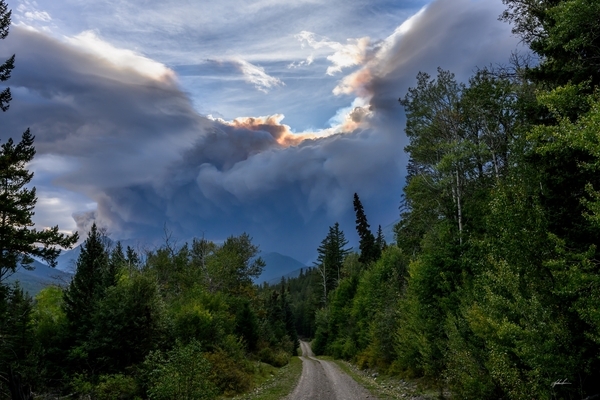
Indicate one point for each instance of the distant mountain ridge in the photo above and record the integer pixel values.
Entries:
(66, 261)
(40, 277)
(294, 274)
(277, 266)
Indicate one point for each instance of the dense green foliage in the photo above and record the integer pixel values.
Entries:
(491, 290)
(493, 287)
(184, 323)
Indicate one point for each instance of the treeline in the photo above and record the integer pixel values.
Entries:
(493, 287)
(184, 323)
(347, 302)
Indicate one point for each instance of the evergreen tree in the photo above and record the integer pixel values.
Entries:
(132, 258)
(305, 298)
(564, 33)
(330, 259)
(8, 65)
(18, 241)
(115, 262)
(246, 324)
(16, 337)
(87, 286)
(380, 240)
(288, 316)
(369, 251)
(127, 323)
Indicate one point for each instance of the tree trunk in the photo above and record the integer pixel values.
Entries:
(17, 390)
(459, 208)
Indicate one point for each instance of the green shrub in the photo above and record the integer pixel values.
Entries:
(229, 375)
(193, 321)
(277, 358)
(116, 387)
(182, 373)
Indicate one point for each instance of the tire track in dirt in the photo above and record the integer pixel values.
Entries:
(324, 380)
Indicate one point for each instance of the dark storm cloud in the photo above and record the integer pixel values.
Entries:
(111, 120)
(144, 155)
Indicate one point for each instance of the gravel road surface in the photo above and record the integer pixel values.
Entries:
(323, 380)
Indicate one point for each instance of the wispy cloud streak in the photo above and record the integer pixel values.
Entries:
(256, 76)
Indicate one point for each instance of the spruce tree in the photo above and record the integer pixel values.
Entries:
(8, 65)
(16, 338)
(330, 259)
(131, 258)
(380, 240)
(116, 261)
(369, 251)
(18, 241)
(87, 286)
(288, 316)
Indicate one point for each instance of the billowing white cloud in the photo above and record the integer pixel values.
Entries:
(90, 42)
(354, 52)
(380, 62)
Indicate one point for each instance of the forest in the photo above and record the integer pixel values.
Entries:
(490, 288)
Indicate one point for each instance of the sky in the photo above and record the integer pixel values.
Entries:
(217, 118)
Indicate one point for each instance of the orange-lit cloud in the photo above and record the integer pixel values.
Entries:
(357, 83)
(272, 124)
(347, 121)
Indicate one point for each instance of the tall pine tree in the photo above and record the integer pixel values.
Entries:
(369, 251)
(331, 254)
(87, 287)
(18, 241)
(8, 65)
(380, 240)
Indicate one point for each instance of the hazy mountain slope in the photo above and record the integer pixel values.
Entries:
(278, 265)
(41, 276)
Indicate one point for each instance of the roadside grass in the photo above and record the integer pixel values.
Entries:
(387, 387)
(274, 383)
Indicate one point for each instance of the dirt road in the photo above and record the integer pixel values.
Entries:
(323, 380)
